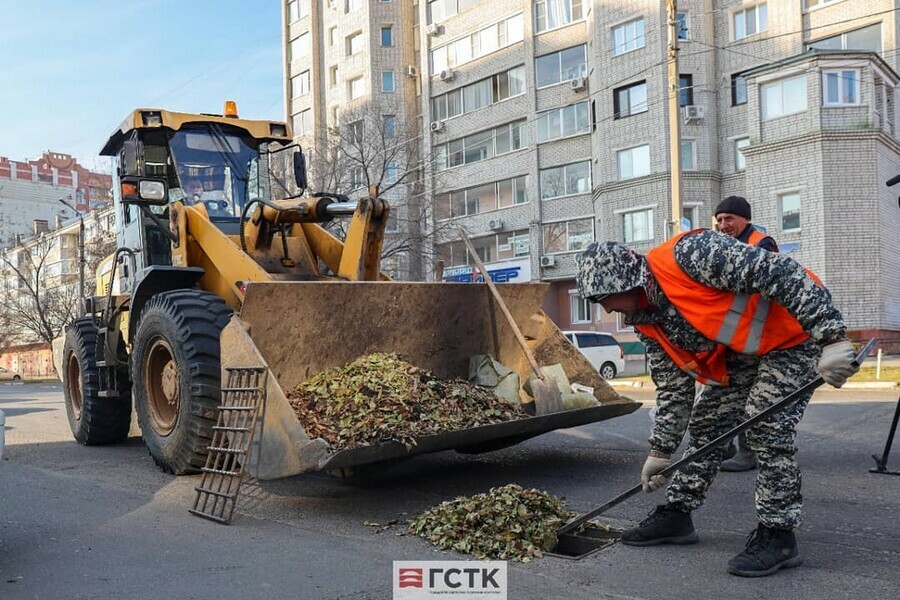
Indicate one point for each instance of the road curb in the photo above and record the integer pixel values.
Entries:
(862, 385)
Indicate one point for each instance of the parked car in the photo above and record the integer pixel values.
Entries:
(7, 375)
(601, 349)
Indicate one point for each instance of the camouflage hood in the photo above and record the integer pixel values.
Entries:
(609, 268)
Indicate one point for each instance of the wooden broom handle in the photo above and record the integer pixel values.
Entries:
(496, 293)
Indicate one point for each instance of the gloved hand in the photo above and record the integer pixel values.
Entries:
(651, 480)
(836, 364)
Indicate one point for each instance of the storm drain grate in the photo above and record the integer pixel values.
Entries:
(232, 436)
(575, 546)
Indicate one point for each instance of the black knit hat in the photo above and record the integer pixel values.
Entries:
(734, 205)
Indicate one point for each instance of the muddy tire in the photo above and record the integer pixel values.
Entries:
(175, 367)
(93, 420)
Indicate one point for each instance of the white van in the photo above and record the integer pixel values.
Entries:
(601, 349)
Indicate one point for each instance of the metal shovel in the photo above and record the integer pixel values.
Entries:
(722, 439)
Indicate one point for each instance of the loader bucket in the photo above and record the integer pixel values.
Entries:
(299, 329)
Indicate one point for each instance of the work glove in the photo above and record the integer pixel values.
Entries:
(651, 480)
(836, 364)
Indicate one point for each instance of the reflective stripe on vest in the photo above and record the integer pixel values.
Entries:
(746, 323)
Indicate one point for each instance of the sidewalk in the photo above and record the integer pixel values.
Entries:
(648, 385)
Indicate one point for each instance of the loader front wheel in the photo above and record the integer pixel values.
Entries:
(175, 368)
(93, 420)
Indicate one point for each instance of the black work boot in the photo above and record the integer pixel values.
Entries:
(665, 525)
(743, 460)
(767, 551)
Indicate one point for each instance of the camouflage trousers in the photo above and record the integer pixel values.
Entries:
(756, 384)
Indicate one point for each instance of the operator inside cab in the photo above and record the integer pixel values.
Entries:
(198, 189)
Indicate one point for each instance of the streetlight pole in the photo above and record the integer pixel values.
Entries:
(80, 256)
(674, 119)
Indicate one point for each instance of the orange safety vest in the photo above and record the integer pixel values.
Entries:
(756, 236)
(745, 323)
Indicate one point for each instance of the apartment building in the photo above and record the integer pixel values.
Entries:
(544, 125)
(30, 190)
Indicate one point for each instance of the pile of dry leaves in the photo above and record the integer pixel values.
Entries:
(380, 398)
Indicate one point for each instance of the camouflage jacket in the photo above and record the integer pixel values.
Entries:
(723, 263)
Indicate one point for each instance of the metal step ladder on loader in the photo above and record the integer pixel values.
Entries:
(223, 474)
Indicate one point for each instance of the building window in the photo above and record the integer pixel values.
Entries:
(685, 90)
(750, 21)
(332, 36)
(550, 14)
(505, 246)
(355, 43)
(630, 100)
(355, 132)
(785, 97)
(684, 25)
(688, 155)
(567, 180)
(814, 3)
(332, 75)
(628, 36)
(299, 47)
(297, 9)
(738, 89)
(390, 126)
(690, 213)
(789, 205)
(479, 94)
(638, 226)
(352, 5)
(482, 145)
(579, 307)
(391, 173)
(356, 88)
(478, 44)
(563, 122)
(840, 88)
(513, 245)
(740, 162)
(357, 178)
(300, 84)
(302, 122)
(866, 38)
(438, 10)
(480, 199)
(568, 236)
(561, 66)
(387, 36)
(633, 162)
(387, 81)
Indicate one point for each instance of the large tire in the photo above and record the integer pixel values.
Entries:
(175, 367)
(93, 420)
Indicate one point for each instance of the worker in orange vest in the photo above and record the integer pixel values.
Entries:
(733, 217)
(753, 326)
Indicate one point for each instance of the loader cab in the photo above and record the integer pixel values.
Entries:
(216, 163)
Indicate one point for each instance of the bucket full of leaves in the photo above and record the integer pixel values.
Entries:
(380, 398)
(507, 523)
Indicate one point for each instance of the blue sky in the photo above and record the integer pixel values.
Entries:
(72, 70)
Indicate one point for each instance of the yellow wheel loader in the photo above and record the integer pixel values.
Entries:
(219, 267)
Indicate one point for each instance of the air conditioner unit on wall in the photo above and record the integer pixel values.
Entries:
(437, 126)
(447, 75)
(412, 71)
(433, 29)
(495, 224)
(548, 261)
(578, 84)
(692, 112)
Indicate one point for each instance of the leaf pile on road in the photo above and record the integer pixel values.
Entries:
(507, 523)
(381, 398)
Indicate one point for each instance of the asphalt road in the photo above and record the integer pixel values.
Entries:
(103, 522)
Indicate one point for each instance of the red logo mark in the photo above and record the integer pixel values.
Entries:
(411, 578)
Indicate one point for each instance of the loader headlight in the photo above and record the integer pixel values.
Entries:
(277, 130)
(153, 190)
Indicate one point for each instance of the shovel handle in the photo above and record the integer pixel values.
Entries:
(496, 293)
(725, 437)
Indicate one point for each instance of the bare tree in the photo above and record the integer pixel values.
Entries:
(371, 147)
(42, 301)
